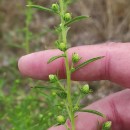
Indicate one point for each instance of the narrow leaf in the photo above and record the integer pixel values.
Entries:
(54, 58)
(93, 112)
(76, 19)
(47, 87)
(57, 124)
(86, 63)
(40, 8)
(75, 116)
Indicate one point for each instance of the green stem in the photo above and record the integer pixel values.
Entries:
(27, 31)
(78, 101)
(26, 44)
(69, 92)
(67, 108)
(62, 87)
(66, 127)
(68, 72)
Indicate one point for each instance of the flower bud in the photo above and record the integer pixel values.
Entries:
(59, 107)
(85, 89)
(107, 125)
(61, 119)
(62, 46)
(62, 103)
(53, 78)
(72, 69)
(75, 57)
(55, 7)
(17, 81)
(76, 108)
(49, 114)
(41, 116)
(53, 93)
(67, 17)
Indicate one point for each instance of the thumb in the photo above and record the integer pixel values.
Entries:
(114, 107)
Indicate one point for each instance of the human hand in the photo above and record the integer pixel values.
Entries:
(115, 66)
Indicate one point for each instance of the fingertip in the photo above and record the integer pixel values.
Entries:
(23, 64)
(29, 65)
(35, 65)
(20, 62)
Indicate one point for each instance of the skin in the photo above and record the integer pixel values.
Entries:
(115, 66)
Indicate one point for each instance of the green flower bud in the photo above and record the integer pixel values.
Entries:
(107, 125)
(41, 116)
(53, 94)
(49, 114)
(17, 81)
(55, 7)
(44, 119)
(67, 17)
(62, 103)
(85, 89)
(72, 69)
(76, 108)
(62, 46)
(53, 78)
(75, 57)
(61, 119)
(59, 107)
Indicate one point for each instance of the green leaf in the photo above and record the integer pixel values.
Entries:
(62, 94)
(54, 58)
(76, 19)
(86, 63)
(57, 124)
(40, 8)
(47, 87)
(93, 112)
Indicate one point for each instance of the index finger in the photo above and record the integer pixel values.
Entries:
(115, 66)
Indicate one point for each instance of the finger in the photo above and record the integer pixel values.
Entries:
(116, 107)
(58, 128)
(114, 66)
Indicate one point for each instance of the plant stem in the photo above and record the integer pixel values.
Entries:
(69, 92)
(27, 22)
(68, 72)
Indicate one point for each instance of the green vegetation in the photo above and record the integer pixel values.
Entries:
(31, 108)
(64, 91)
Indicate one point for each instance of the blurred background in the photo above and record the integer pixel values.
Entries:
(23, 30)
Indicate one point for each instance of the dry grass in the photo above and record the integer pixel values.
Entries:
(110, 20)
